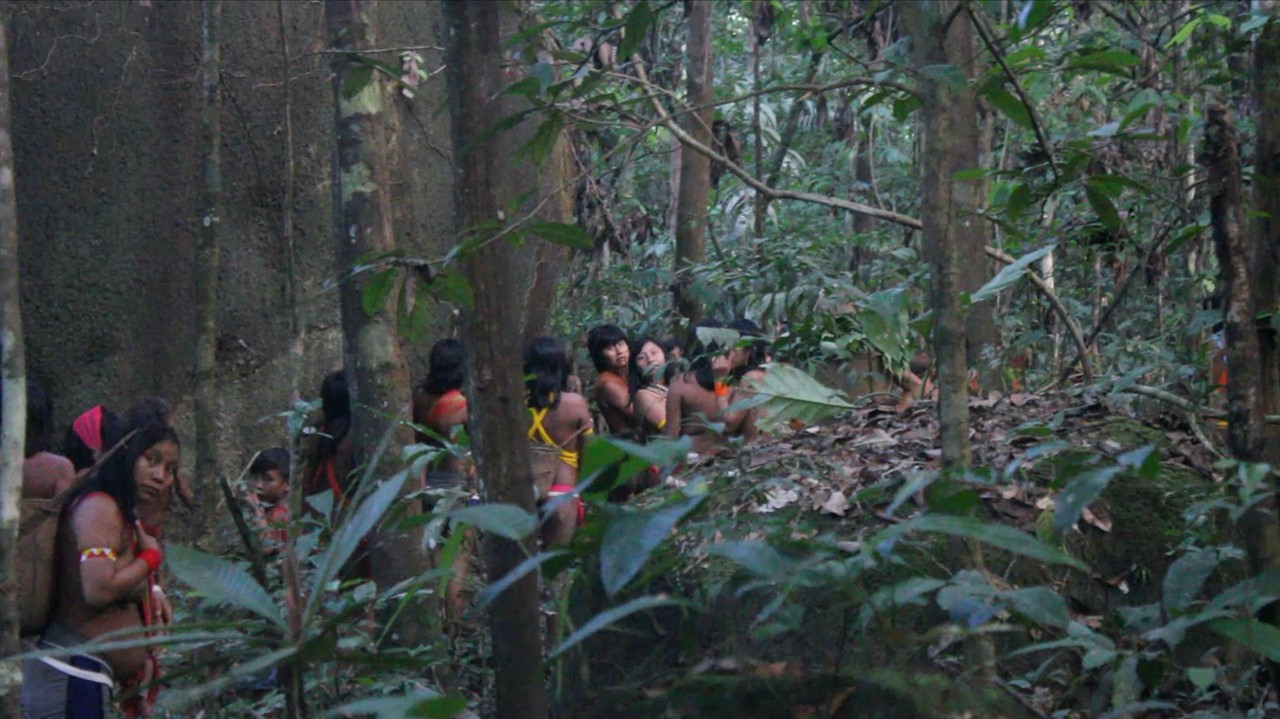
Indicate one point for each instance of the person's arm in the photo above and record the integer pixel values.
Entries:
(98, 526)
(651, 409)
(673, 411)
(615, 395)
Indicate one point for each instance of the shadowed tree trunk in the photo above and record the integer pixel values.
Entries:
(13, 421)
(377, 373)
(695, 168)
(207, 253)
(1266, 230)
(494, 387)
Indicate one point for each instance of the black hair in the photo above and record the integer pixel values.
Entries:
(115, 476)
(147, 410)
(446, 369)
(268, 459)
(702, 353)
(39, 420)
(670, 345)
(757, 347)
(600, 339)
(335, 407)
(80, 454)
(546, 369)
(637, 378)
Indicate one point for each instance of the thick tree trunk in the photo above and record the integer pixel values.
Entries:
(695, 168)
(208, 251)
(377, 373)
(1266, 241)
(494, 385)
(13, 421)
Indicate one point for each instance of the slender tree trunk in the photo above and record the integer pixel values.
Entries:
(295, 701)
(13, 421)
(207, 254)
(695, 168)
(494, 386)
(377, 373)
(1266, 243)
(948, 125)
(1246, 428)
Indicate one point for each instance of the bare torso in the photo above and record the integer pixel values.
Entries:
(45, 475)
(442, 414)
(73, 610)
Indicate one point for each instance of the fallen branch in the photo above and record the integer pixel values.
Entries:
(247, 536)
(1185, 404)
(1072, 326)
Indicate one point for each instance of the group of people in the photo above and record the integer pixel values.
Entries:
(118, 474)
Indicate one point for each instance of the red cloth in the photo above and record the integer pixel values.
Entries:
(277, 517)
(567, 488)
(88, 427)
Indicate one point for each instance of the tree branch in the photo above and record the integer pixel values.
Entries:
(1017, 87)
(1072, 326)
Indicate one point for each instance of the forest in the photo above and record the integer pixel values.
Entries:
(639, 358)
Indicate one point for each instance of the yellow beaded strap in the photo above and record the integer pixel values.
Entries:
(96, 552)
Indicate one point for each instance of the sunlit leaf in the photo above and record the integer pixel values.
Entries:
(793, 394)
(1009, 274)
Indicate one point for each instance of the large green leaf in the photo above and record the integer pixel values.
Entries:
(605, 618)
(1000, 536)
(504, 520)
(563, 234)
(1108, 215)
(222, 582)
(1039, 604)
(795, 395)
(492, 591)
(638, 22)
(631, 536)
(1010, 106)
(348, 536)
(754, 556)
(1185, 577)
(1008, 275)
(377, 290)
(1257, 636)
(1079, 494)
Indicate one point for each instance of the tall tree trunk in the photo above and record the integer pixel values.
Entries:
(377, 373)
(1266, 242)
(949, 125)
(494, 385)
(13, 421)
(939, 32)
(208, 251)
(695, 168)
(1246, 429)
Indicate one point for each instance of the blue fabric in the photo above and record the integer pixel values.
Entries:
(84, 698)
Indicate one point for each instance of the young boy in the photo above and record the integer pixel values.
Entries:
(269, 498)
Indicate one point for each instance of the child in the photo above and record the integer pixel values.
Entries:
(607, 345)
(269, 498)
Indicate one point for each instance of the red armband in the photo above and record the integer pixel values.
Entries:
(152, 557)
(722, 389)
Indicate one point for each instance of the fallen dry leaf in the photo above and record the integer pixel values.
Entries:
(835, 504)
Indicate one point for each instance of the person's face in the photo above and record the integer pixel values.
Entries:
(738, 357)
(721, 365)
(650, 357)
(618, 356)
(156, 470)
(271, 486)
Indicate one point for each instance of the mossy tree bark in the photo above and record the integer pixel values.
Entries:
(13, 420)
(695, 167)
(377, 373)
(1265, 259)
(494, 387)
(208, 251)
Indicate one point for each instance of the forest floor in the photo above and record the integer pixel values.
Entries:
(800, 653)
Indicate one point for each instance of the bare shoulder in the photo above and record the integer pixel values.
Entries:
(96, 512)
(574, 401)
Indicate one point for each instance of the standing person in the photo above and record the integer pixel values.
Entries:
(699, 397)
(328, 453)
(607, 346)
(269, 499)
(105, 565)
(648, 380)
(439, 406)
(153, 510)
(44, 474)
(559, 422)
